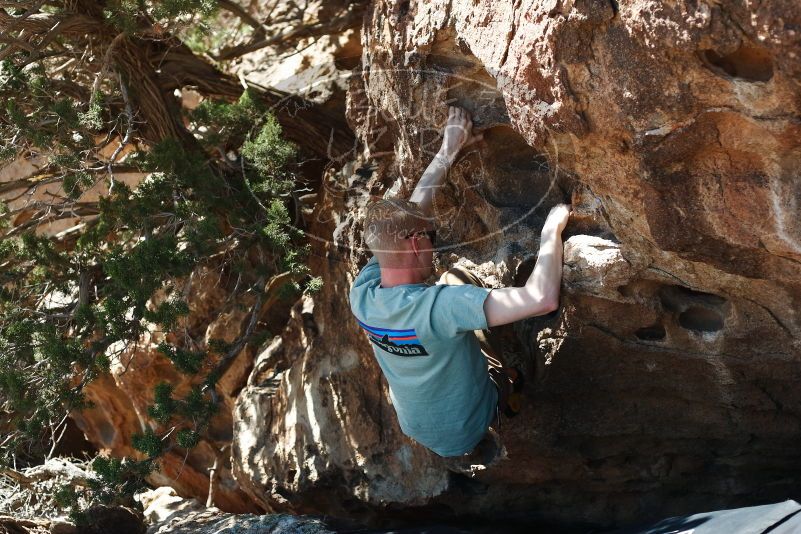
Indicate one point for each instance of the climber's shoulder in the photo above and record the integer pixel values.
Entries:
(368, 278)
(455, 309)
(370, 271)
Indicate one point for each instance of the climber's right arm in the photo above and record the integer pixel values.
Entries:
(458, 134)
(540, 295)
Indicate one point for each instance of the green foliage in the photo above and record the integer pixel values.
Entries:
(233, 121)
(148, 443)
(186, 361)
(76, 183)
(118, 478)
(115, 482)
(92, 118)
(71, 306)
(145, 241)
(314, 285)
(122, 14)
(278, 218)
(140, 270)
(196, 406)
(187, 438)
(205, 36)
(163, 406)
(268, 152)
(12, 77)
(66, 111)
(175, 8)
(167, 313)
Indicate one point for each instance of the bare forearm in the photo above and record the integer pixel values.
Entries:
(457, 134)
(540, 294)
(431, 180)
(546, 279)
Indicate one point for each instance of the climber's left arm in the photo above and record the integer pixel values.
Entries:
(458, 134)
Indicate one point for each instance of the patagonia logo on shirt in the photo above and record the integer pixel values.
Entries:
(397, 342)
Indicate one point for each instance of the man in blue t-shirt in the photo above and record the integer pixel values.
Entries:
(445, 389)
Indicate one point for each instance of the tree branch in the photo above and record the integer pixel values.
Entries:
(350, 19)
(242, 13)
(259, 307)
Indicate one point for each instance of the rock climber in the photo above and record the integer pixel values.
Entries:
(446, 376)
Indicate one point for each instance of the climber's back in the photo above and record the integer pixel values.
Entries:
(422, 339)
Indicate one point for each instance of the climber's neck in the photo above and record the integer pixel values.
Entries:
(391, 277)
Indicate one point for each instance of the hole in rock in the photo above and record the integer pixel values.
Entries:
(748, 62)
(74, 443)
(514, 174)
(468, 82)
(701, 319)
(625, 290)
(654, 332)
(499, 180)
(107, 433)
(403, 8)
(467, 485)
(476, 91)
(679, 298)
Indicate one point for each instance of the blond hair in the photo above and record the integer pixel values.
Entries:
(388, 221)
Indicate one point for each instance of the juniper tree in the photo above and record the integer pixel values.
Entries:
(87, 91)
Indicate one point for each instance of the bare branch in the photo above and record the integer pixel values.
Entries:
(104, 67)
(128, 131)
(242, 13)
(350, 19)
(34, 7)
(15, 475)
(259, 306)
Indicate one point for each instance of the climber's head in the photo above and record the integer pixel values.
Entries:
(400, 235)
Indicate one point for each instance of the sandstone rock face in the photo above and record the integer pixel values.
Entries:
(121, 400)
(668, 381)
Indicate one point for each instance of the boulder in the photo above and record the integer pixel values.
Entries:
(667, 381)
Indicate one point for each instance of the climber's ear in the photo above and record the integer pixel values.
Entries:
(415, 246)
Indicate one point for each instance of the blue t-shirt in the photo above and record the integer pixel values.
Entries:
(423, 340)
